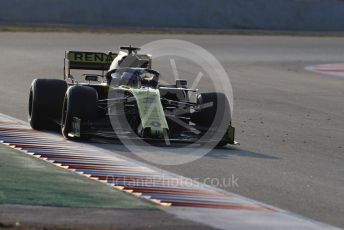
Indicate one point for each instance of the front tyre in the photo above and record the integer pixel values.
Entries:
(214, 114)
(79, 102)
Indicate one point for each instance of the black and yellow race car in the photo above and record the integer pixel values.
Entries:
(126, 100)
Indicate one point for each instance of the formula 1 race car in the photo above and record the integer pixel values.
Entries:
(125, 101)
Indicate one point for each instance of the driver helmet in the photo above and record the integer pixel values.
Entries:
(126, 78)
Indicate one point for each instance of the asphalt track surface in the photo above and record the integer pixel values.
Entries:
(290, 122)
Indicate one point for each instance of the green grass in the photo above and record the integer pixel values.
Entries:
(30, 181)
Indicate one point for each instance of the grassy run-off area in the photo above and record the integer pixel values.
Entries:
(31, 181)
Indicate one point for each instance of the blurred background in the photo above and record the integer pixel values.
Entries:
(284, 15)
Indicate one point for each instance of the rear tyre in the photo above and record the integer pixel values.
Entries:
(45, 103)
(79, 102)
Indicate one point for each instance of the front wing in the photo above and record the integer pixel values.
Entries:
(105, 130)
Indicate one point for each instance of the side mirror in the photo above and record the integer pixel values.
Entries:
(181, 83)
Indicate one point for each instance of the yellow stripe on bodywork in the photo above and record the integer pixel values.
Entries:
(150, 109)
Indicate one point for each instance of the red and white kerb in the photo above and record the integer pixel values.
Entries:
(336, 70)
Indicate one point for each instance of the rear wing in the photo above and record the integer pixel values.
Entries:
(102, 61)
(87, 61)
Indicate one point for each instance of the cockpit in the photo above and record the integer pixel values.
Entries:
(133, 77)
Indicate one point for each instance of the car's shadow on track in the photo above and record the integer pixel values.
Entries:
(228, 151)
(218, 152)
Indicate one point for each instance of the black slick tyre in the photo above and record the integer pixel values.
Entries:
(214, 114)
(45, 103)
(79, 102)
